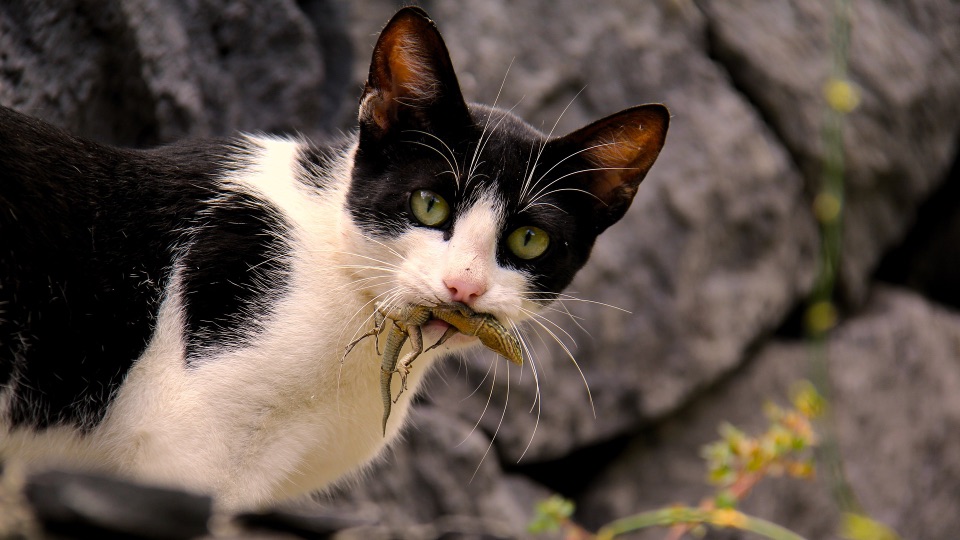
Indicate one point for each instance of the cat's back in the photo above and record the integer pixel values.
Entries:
(88, 234)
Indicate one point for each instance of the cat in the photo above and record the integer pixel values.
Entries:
(179, 315)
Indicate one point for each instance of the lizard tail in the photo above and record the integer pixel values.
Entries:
(387, 402)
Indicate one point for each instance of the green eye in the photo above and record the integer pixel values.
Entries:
(528, 242)
(429, 208)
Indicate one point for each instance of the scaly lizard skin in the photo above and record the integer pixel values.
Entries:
(407, 322)
(483, 325)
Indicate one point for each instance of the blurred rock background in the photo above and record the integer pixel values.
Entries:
(714, 262)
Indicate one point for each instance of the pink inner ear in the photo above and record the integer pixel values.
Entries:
(404, 78)
(411, 76)
(410, 73)
(625, 146)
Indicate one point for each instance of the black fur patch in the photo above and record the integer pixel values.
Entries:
(315, 160)
(87, 238)
(235, 264)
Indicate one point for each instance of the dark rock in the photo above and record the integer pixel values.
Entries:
(928, 259)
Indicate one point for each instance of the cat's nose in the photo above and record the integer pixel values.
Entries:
(465, 290)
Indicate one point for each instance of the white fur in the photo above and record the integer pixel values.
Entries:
(284, 416)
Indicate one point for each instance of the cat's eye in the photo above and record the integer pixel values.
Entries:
(429, 208)
(528, 242)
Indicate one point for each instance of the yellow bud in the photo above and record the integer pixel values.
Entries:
(841, 95)
(821, 316)
(826, 207)
(728, 517)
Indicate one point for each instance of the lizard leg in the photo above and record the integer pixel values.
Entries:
(379, 325)
(449, 333)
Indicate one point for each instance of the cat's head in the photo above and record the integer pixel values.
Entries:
(469, 203)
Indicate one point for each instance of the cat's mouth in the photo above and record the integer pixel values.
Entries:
(459, 324)
(437, 324)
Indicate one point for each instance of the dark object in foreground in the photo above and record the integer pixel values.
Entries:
(68, 505)
(77, 505)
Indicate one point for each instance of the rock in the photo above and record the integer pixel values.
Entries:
(928, 259)
(441, 479)
(896, 399)
(900, 141)
(718, 246)
(148, 71)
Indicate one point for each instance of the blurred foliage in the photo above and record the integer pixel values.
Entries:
(736, 463)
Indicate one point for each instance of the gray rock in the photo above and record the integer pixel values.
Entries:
(905, 59)
(148, 71)
(444, 473)
(896, 388)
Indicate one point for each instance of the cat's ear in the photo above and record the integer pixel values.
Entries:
(411, 84)
(619, 150)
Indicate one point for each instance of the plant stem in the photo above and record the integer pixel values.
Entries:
(696, 516)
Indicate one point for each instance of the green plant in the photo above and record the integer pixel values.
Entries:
(735, 464)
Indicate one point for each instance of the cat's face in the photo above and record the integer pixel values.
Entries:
(469, 203)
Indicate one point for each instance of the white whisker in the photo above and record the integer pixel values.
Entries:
(482, 143)
(560, 162)
(572, 359)
(534, 315)
(479, 385)
(506, 402)
(486, 405)
(540, 194)
(476, 150)
(526, 184)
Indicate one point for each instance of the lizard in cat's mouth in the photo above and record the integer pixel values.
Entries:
(409, 321)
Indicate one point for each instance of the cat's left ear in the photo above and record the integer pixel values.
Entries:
(412, 84)
(619, 150)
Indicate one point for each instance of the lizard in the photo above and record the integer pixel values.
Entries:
(407, 322)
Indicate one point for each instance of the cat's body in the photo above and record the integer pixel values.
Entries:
(179, 315)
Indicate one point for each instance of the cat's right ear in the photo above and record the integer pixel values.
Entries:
(619, 150)
(411, 84)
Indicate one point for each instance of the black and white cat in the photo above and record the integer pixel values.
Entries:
(179, 315)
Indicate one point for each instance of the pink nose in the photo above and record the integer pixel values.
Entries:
(463, 290)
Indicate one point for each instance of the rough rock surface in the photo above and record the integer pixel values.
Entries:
(897, 145)
(718, 249)
(150, 71)
(444, 468)
(895, 375)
